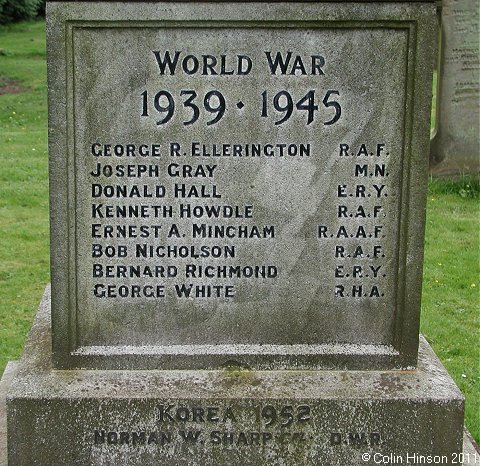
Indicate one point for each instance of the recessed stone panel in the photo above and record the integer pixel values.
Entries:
(229, 188)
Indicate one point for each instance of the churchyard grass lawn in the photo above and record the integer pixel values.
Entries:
(451, 286)
(450, 300)
(24, 242)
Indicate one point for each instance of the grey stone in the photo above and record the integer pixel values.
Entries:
(334, 219)
(330, 210)
(471, 450)
(456, 145)
(69, 417)
(5, 382)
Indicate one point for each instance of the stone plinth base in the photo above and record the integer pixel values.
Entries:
(230, 417)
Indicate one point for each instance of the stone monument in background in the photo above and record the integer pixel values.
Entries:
(237, 217)
(455, 148)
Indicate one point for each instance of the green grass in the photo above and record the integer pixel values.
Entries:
(451, 286)
(450, 302)
(24, 256)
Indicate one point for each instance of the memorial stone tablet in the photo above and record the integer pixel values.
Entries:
(236, 189)
(455, 148)
(226, 187)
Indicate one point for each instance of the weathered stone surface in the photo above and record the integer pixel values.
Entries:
(455, 147)
(470, 449)
(319, 259)
(172, 122)
(328, 417)
(5, 382)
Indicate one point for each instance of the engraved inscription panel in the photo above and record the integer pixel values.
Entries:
(272, 426)
(455, 146)
(237, 185)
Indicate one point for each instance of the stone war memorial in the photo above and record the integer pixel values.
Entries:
(237, 221)
(455, 148)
